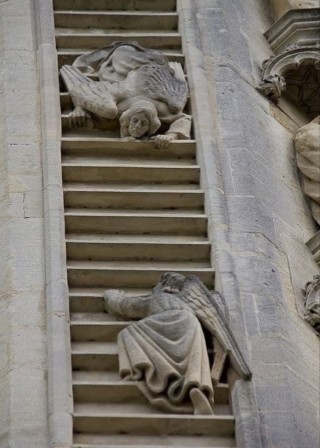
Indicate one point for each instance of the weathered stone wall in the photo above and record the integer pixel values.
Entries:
(23, 394)
(267, 220)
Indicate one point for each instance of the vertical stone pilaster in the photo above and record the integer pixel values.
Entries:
(23, 390)
(258, 221)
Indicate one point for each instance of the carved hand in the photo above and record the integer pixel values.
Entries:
(163, 141)
(79, 118)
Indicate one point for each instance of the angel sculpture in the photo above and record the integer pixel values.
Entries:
(137, 86)
(166, 351)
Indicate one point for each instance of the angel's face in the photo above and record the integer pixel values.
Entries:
(139, 125)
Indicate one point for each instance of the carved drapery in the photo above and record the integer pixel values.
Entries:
(307, 144)
(166, 351)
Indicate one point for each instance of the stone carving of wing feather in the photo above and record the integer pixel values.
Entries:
(213, 318)
(161, 83)
(92, 96)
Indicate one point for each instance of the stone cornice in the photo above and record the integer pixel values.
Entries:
(300, 26)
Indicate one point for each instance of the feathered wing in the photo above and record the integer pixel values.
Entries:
(92, 96)
(166, 84)
(200, 300)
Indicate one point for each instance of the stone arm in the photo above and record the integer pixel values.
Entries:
(127, 308)
(179, 129)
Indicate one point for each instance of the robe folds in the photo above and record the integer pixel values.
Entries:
(165, 351)
(168, 353)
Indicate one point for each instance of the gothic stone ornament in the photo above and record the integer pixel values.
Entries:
(296, 71)
(272, 86)
(312, 303)
(166, 350)
(307, 143)
(134, 85)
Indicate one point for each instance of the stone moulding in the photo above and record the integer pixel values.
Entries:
(60, 405)
(299, 25)
(248, 430)
(274, 69)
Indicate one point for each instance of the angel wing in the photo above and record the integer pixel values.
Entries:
(92, 96)
(207, 308)
(164, 83)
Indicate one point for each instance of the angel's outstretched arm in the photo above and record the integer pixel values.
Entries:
(127, 308)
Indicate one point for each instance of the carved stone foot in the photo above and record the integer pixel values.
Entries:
(200, 402)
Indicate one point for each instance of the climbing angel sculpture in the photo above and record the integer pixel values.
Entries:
(166, 351)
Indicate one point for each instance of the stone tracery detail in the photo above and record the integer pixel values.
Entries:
(166, 351)
(136, 86)
(295, 67)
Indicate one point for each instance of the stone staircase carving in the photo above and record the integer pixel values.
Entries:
(131, 214)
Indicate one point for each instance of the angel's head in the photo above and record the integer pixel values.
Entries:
(172, 282)
(140, 119)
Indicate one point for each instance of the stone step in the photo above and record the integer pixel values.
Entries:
(129, 162)
(128, 197)
(146, 424)
(115, 5)
(142, 441)
(211, 443)
(89, 301)
(66, 103)
(121, 391)
(154, 446)
(111, 147)
(93, 39)
(97, 171)
(66, 56)
(95, 356)
(119, 20)
(96, 331)
(125, 404)
(135, 222)
(136, 247)
(114, 274)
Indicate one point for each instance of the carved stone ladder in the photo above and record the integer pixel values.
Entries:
(131, 213)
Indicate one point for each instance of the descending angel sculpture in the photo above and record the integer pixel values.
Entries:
(166, 350)
(137, 86)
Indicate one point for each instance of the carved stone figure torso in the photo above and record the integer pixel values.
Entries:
(130, 76)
